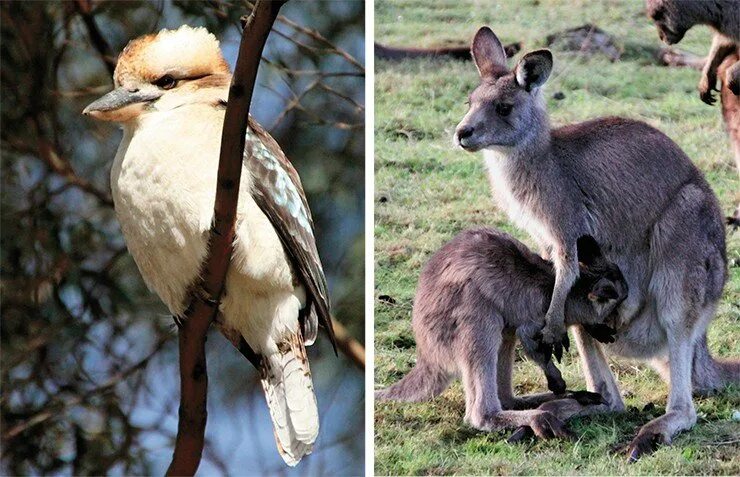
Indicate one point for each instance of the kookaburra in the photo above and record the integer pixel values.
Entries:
(170, 98)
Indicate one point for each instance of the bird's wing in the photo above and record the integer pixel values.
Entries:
(278, 192)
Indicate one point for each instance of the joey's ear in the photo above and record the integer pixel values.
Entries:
(588, 250)
(533, 69)
(488, 52)
(603, 290)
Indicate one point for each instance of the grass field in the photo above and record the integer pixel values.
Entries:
(427, 191)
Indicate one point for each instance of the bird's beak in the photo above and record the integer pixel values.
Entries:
(121, 104)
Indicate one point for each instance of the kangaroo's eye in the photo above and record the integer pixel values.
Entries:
(166, 82)
(658, 15)
(504, 109)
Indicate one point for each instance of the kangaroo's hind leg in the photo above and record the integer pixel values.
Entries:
(478, 363)
(688, 253)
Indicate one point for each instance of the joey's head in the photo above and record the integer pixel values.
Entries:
(163, 71)
(507, 108)
(600, 287)
(674, 18)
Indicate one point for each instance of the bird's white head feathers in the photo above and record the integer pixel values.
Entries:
(183, 53)
(163, 71)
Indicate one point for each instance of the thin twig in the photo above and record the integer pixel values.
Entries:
(55, 408)
(348, 345)
(84, 7)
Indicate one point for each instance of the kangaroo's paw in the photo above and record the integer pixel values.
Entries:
(601, 332)
(553, 339)
(645, 444)
(707, 96)
(706, 88)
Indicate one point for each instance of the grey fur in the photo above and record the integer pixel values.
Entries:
(724, 17)
(674, 18)
(634, 190)
(476, 295)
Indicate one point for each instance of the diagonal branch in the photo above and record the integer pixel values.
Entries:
(84, 7)
(204, 302)
(348, 345)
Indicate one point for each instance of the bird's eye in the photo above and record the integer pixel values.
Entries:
(504, 109)
(166, 82)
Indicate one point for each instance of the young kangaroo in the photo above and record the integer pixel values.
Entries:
(675, 17)
(476, 295)
(632, 189)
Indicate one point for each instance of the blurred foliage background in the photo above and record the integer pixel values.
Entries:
(89, 360)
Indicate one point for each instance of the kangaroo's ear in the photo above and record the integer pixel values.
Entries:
(533, 69)
(603, 290)
(488, 52)
(588, 250)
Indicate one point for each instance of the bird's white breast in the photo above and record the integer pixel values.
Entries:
(164, 181)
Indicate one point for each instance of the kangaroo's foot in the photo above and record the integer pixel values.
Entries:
(644, 444)
(544, 424)
(550, 422)
(547, 425)
(660, 431)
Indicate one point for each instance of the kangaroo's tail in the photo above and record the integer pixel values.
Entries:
(710, 374)
(423, 382)
(286, 380)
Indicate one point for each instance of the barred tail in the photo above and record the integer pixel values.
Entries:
(286, 380)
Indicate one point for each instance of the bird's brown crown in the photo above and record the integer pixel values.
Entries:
(183, 53)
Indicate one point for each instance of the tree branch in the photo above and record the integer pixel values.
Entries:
(84, 7)
(204, 301)
(348, 345)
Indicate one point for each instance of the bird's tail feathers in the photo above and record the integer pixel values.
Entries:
(286, 380)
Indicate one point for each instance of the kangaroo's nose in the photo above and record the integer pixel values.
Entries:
(464, 132)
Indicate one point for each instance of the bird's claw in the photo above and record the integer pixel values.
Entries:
(203, 295)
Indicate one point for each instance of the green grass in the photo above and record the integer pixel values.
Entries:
(427, 191)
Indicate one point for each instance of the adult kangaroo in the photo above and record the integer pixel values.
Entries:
(632, 189)
(674, 18)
